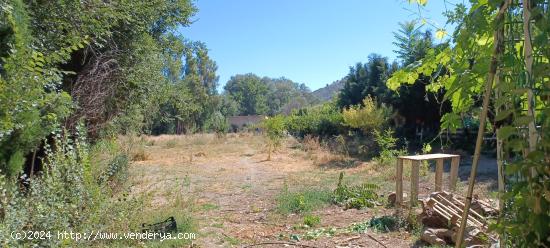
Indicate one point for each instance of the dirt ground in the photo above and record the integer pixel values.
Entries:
(230, 190)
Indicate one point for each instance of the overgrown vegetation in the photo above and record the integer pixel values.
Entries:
(500, 51)
(302, 201)
(274, 129)
(358, 196)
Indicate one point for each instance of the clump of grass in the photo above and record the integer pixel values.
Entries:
(209, 206)
(302, 201)
(140, 155)
(311, 220)
(171, 143)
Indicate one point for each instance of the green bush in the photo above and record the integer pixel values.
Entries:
(387, 147)
(367, 116)
(116, 171)
(57, 199)
(311, 220)
(217, 123)
(275, 131)
(387, 223)
(358, 196)
(323, 120)
(68, 195)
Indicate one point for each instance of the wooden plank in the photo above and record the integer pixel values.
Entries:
(454, 173)
(415, 172)
(439, 175)
(429, 156)
(399, 184)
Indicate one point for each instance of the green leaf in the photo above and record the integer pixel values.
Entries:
(523, 120)
(422, 2)
(440, 34)
(505, 132)
(503, 114)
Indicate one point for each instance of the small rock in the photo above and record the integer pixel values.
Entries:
(429, 236)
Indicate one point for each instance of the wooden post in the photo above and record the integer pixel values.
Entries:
(438, 174)
(415, 171)
(399, 184)
(454, 173)
(497, 51)
(500, 163)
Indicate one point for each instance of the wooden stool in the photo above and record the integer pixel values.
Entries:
(415, 171)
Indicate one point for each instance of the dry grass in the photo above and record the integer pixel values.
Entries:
(229, 187)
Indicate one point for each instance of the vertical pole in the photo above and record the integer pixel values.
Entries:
(528, 53)
(439, 175)
(497, 50)
(415, 172)
(453, 177)
(500, 161)
(399, 184)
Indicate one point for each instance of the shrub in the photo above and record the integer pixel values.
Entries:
(57, 199)
(366, 117)
(387, 223)
(311, 220)
(275, 131)
(387, 145)
(323, 120)
(217, 123)
(357, 197)
(116, 171)
(68, 195)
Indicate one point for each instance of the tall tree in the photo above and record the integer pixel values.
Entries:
(249, 92)
(365, 79)
(412, 43)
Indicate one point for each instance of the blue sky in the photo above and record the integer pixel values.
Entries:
(308, 41)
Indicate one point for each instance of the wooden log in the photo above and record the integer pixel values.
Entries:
(415, 172)
(454, 173)
(439, 175)
(399, 184)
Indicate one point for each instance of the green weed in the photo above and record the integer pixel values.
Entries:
(311, 220)
(357, 197)
(302, 201)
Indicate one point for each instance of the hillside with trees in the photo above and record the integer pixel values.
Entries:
(328, 92)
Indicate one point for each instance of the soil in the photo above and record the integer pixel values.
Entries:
(234, 189)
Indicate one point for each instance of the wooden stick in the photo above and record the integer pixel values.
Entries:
(454, 173)
(528, 53)
(278, 243)
(456, 207)
(380, 243)
(399, 184)
(454, 211)
(500, 164)
(497, 50)
(415, 171)
(438, 174)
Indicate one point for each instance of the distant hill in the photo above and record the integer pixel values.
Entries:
(329, 91)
